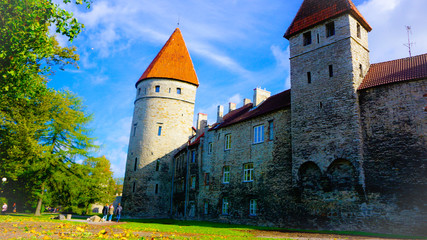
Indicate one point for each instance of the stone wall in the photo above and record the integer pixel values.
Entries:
(266, 171)
(395, 146)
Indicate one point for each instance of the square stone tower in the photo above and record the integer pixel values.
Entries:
(329, 57)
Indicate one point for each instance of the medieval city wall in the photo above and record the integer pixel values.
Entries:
(395, 146)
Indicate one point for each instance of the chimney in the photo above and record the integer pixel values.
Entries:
(246, 101)
(202, 122)
(220, 114)
(231, 106)
(260, 96)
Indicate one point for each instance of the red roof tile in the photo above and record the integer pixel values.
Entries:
(173, 61)
(405, 69)
(271, 104)
(313, 12)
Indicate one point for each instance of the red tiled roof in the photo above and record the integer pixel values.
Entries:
(173, 61)
(405, 69)
(273, 103)
(313, 12)
(197, 141)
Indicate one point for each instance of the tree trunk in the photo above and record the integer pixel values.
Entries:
(39, 203)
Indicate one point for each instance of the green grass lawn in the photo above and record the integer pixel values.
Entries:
(31, 227)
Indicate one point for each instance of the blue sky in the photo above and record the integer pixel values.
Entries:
(235, 45)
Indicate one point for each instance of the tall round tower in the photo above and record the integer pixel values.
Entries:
(162, 122)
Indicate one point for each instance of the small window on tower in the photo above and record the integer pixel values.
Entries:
(159, 132)
(308, 77)
(134, 186)
(331, 71)
(360, 70)
(178, 90)
(157, 88)
(157, 165)
(330, 29)
(358, 31)
(307, 38)
(156, 190)
(136, 164)
(139, 91)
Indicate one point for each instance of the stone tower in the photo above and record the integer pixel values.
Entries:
(329, 58)
(162, 122)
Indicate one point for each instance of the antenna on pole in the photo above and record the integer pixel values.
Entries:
(409, 45)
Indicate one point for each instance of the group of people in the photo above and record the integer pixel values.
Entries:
(4, 208)
(108, 212)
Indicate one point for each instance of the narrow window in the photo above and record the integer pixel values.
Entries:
(206, 208)
(307, 38)
(178, 90)
(252, 207)
(248, 172)
(157, 88)
(139, 91)
(270, 130)
(136, 164)
(156, 190)
(308, 77)
(225, 206)
(134, 186)
(134, 129)
(360, 70)
(226, 174)
(206, 179)
(145, 90)
(358, 31)
(193, 156)
(331, 71)
(193, 182)
(157, 165)
(169, 90)
(320, 105)
(210, 148)
(318, 38)
(258, 134)
(330, 29)
(228, 142)
(159, 132)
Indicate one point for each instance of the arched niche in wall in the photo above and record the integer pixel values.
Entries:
(342, 175)
(310, 176)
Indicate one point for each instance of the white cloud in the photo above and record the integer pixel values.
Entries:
(389, 19)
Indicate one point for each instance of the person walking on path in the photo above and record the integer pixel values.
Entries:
(4, 208)
(118, 212)
(105, 212)
(111, 212)
(14, 207)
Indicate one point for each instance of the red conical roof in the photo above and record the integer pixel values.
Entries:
(173, 62)
(313, 12)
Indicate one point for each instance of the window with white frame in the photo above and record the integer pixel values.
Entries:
(248, 172)
(227, 141)
(225, 206)
(210, 148)
(252, 207)
(259, 134)
(226, 174)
